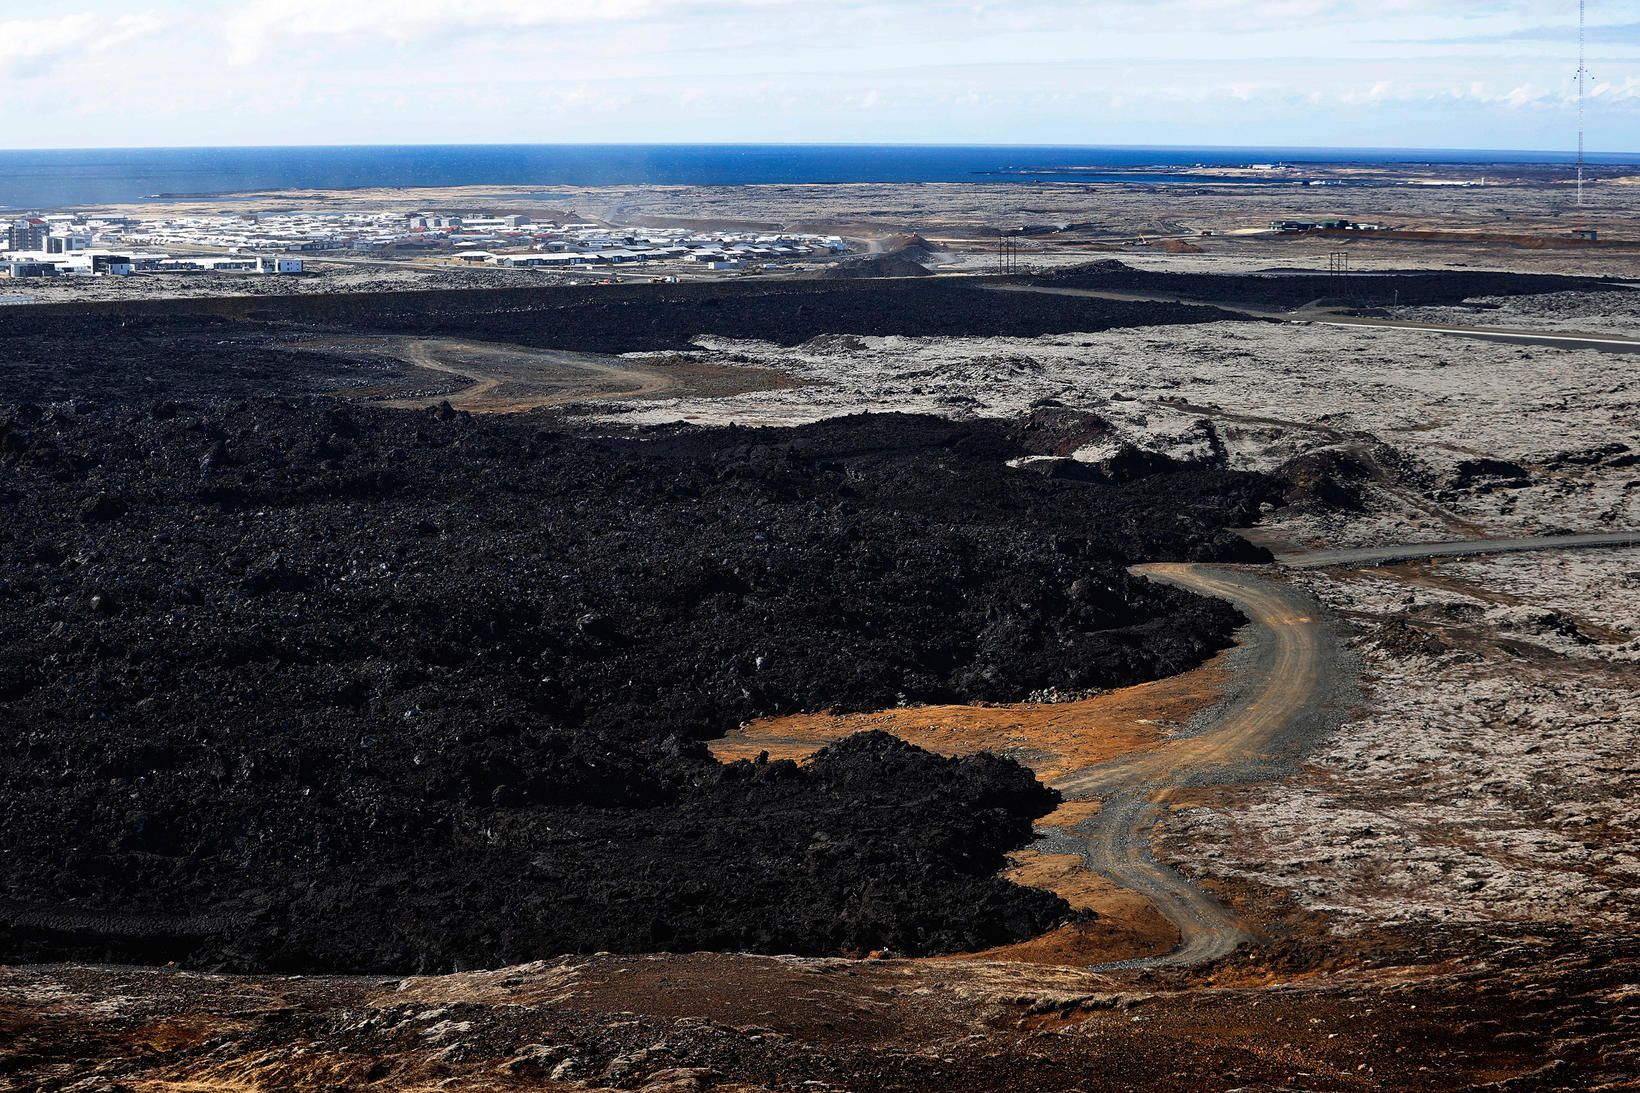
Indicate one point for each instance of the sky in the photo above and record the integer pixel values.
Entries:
(1310, 73)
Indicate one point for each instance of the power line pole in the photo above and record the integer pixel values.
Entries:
(1338, 272)
(1009, 251)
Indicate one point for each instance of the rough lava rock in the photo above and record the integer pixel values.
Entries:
(292, 685)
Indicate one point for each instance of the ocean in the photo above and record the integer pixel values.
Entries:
(31, 180)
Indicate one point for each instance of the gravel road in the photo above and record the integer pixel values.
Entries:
(1289, 667)
(1295, 679)
(1324, 559)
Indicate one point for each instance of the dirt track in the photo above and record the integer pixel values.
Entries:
(1291, 697)
(506, 379)
(1289, 700)
(510, 379)
(1280, 685)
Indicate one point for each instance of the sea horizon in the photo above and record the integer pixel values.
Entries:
(68, 177)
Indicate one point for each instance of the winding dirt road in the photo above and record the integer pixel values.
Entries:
(1295, 686)
(1290, 654)
(500, 378)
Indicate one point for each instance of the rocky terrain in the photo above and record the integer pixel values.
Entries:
(1491, 780)
(1422, 436)
(1615, 312)
(308, 684)
(1538, 1011)
(320, 277)
(1291, 289)
(304, 686)
(242, 345)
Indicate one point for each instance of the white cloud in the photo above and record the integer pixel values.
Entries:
(253, 29)
(258, 27)
(1622, 91)
(429, 71)
(36, 47)
(31, 46)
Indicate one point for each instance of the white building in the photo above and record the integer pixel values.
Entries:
(27, 267)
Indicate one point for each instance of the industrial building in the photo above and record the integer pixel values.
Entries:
(1335, 225)
(109, 264)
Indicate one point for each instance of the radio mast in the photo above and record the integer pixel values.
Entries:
(1582, 80)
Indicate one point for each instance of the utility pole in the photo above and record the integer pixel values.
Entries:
(1009, 250)
(1338, 272)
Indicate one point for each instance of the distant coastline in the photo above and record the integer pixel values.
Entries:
(60, 178)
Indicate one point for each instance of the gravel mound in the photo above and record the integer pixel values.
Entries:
(880, 265)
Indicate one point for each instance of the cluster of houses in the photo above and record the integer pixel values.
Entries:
(516, 241)
(593, 245)
(271, 243)
(504, 240)
(294, 232)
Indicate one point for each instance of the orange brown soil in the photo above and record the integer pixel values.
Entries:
(1052, 739)
(1553, 1007)
(1126, 926)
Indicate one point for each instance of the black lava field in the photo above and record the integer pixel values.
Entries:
(288, 683)
(1295, 290)
(236, 345)
(293, 685)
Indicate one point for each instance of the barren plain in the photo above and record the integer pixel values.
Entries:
(572, 605)
(1509, 217)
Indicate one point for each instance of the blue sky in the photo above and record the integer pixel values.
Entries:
(1403, 73)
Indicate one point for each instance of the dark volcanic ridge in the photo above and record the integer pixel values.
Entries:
(238, 346)
(1288, 290)
(294, 686)
(149, 349)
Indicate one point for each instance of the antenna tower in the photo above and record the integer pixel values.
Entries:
(1582, 80)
